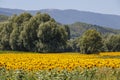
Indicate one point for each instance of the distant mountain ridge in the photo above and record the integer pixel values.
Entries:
(71, 16)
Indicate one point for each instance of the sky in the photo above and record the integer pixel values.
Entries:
(99, 6)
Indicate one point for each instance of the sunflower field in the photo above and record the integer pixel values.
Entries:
(59, 66)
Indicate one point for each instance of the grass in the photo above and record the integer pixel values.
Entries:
(108, 57)
(15, 52)
(86, 74)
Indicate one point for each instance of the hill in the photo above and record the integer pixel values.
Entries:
(3, 18)
(78, 28)
(71, 16)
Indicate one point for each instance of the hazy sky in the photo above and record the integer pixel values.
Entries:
(101, 6)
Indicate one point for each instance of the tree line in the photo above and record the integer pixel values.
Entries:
(93, 41)
(41, 33)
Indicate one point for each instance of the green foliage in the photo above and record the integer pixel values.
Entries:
(73, 45)
(67, 30)
(22, 18)
(5, 31)
(78, 28)
(39, 33)
(52, 37)
(18, 24)
(91, 42)
(3, 18)
(14, 36)
(112, 43)
(77, 74)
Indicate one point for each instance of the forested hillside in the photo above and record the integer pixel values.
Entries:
(78, 28)
(3, 18)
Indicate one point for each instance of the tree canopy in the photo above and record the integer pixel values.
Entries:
(39, 33)
(91, 42)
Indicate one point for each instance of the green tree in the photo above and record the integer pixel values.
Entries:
(39, 33)
(14, 37)
(28, 35)
(112, 43)
(52, 37)
(67, 30)
(41, 18)
(91, 42)
(5, 32)
(73, 45)
(22, 18)
(18, 24)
